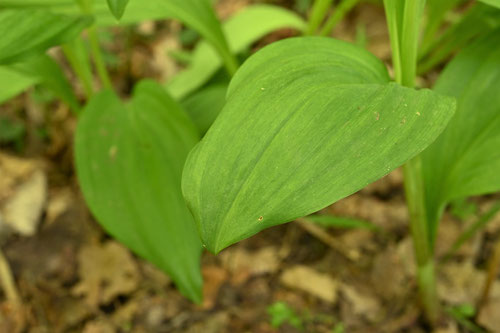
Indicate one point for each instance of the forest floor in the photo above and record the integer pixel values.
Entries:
(70, 276)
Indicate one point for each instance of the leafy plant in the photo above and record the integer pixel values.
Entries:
(304, 122)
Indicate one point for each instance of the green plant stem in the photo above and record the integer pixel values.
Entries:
(229, 60)
(317, 15)
(76, 55)
(472, 230)
(404, 28)
(98, 59)
(414, 190)
(86, 7)
(339, 13)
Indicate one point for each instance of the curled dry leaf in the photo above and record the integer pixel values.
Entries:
(106, 271)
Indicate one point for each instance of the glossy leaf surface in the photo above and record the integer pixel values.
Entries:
(465, 159)
(307, 122)
(241, 32)
(129, 160)
(27, 32)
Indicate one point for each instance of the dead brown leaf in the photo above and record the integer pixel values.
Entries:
(309, 280)
(22, 211)
(243, 264)
(213, 277)
(489, 317)
(106, 271)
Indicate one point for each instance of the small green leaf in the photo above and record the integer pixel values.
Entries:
(16, 78)
(340, 222)
(205, 105)
(465, 159)
(48, 73)
(282, 313)
(26, 32)
(241, 32)
(13, 82)
(129, 160)
(11, 130)
(307, 122)
(117, 7)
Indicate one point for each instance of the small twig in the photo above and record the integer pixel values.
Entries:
(7, 281)
(326, 238)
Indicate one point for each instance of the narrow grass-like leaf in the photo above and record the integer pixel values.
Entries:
(27, 32)
(330, 221)
(117, 7)
(129, 160)
(465, 159)
(307, 122)
(241, 32)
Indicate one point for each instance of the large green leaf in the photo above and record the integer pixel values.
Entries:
(307, 122)
(465, 159)
(241, 32)
(494, 3)
(27, 32)
(129, 160)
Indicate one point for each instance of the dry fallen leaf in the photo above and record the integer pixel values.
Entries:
(307, 279)
(213, 278)
(22, 211)
(489, 316)
(362, 303)
(106, 271)
(13, 170)
(98, 326)
(243, 264)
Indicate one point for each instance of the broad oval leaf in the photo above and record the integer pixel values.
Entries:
(117, 7)
(27, 31)
(241, 32)
(307, 122)
(465, 159)
(129, 160)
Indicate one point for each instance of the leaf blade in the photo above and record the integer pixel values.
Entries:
(129, 161)
(42, 31)
(300, 113)
(465, 159)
